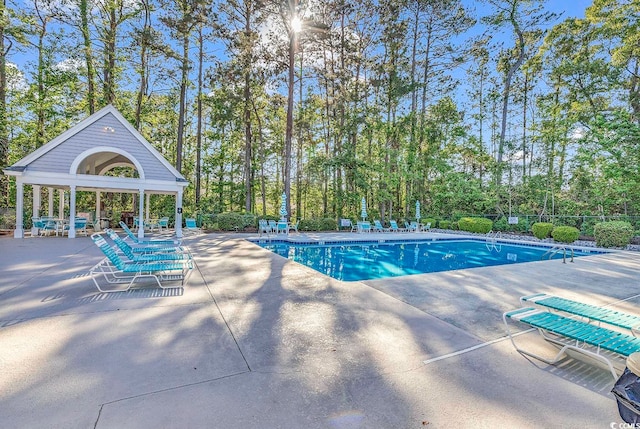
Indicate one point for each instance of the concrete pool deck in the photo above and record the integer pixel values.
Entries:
(255, 340)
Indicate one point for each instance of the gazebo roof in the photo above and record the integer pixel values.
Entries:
(83, 154)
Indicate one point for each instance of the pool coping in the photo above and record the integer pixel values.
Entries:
(306, 240)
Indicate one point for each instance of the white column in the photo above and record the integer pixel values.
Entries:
(60, 203)
(97, 224)
(19, 231)
(72, 212)
(50, 210)
(140, 212)
(36, 207)
(179, 214)
(148, 205)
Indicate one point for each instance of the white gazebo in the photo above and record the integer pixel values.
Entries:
(78, 159)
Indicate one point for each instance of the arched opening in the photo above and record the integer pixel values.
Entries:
(107, 161)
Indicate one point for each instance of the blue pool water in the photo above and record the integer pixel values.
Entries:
(373, 260)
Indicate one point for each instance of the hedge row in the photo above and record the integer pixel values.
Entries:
(607, 234)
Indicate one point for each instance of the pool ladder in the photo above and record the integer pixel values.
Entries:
(492, 241)
(555, 250)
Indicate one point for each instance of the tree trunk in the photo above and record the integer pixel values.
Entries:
(144, 42)
(263, 181)
(409, 180)
(247, 117)
(525, 90)
(299, 150)
(199, 119)
(289, 128)
(184, 81)
(505, 101)
(110, 58)
(40, 113)
(4, 128)
(88, 56)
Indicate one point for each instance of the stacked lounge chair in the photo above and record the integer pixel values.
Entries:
(135, 239)
(115, 270)
(570, 325)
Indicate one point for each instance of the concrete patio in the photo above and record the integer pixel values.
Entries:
(255, 340)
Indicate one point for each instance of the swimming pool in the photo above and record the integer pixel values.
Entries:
(375, 260)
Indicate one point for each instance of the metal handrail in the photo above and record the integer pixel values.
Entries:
(555, 249)
(492, 240)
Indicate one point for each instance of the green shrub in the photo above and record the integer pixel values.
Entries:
(522, 226)
(318, 224)
(249, 220)
(455, 226)
(430, 220)
(587, 227)
(542, 230)
(308, 225)
(230, 221)
(501, 224)
(483, 225)
(444, 224)
(328, 224)
(475, 224)
(613, 234)
(565, 234)
(465, 223)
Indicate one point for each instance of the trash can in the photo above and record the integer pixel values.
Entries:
(627, 390)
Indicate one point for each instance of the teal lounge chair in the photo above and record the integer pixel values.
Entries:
(588, 311)
(263, 227)
(80, 225)
(411, 227)
(191, 226)
(364, 227)
(163, 223)
(394, 227)
(116, 271)
(136, 240)
(377, 227)
(283, 227)
(38, 223)
(146, 253)
(574, 335)
(45, 225)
